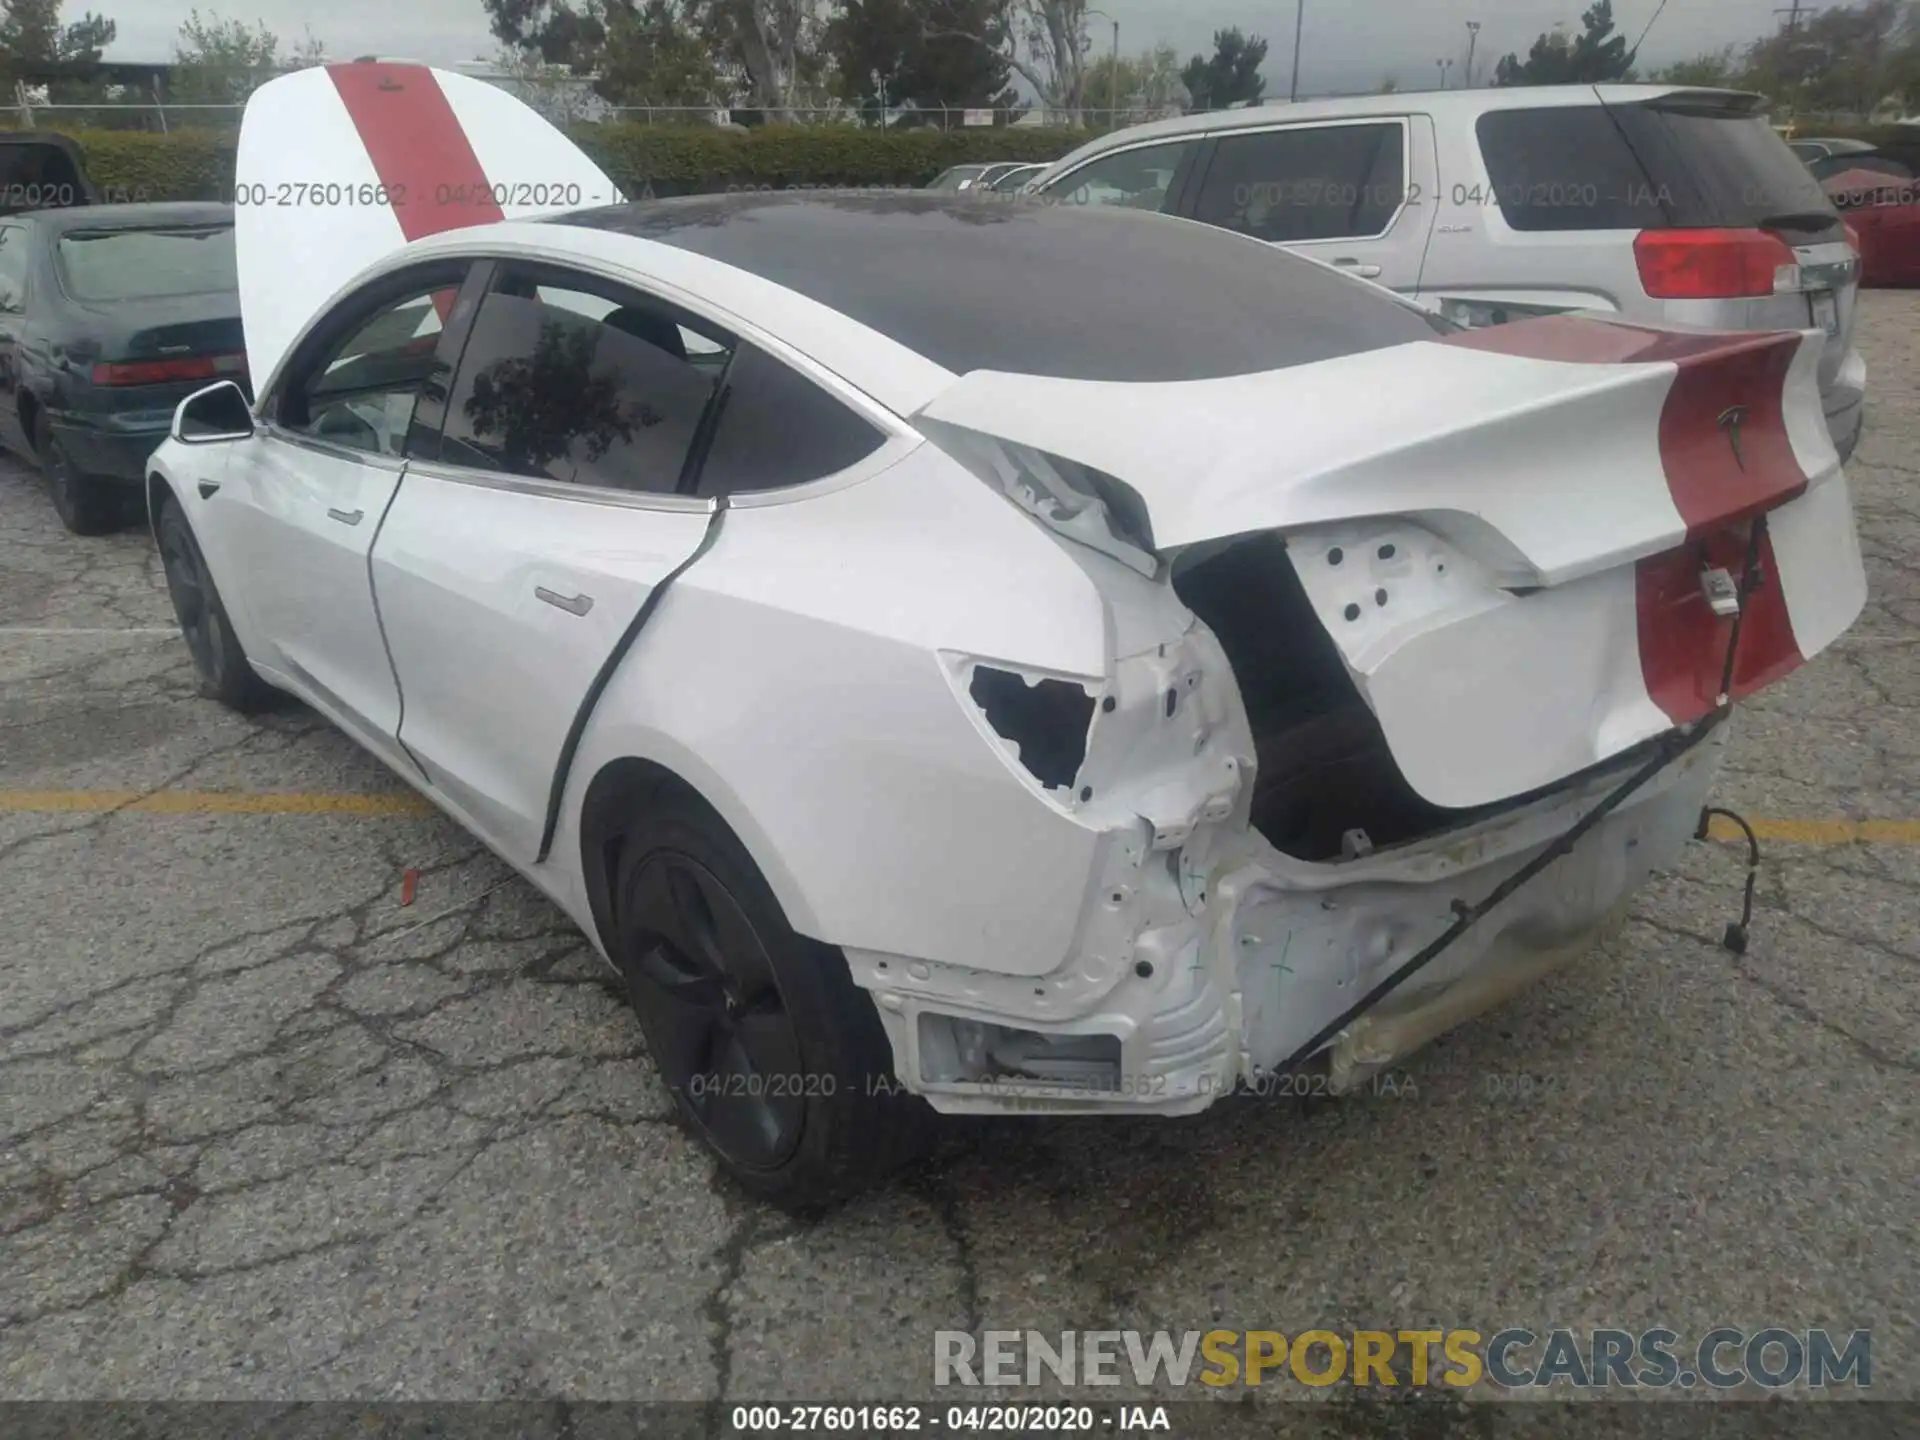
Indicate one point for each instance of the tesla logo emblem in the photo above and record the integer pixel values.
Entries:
(1731, 419)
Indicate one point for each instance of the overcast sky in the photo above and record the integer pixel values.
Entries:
(1347, 45)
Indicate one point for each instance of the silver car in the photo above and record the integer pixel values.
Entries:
(1653, 202)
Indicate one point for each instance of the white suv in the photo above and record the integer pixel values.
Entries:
(1654, 202)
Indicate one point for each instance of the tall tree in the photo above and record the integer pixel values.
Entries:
(558, 31)
(919, 53)
(1149, 82)
(32, 37)
(221, 62)
(1836, 60)
(651, 57)
(1044, 41)
(775, 44)
(1715, 69)
(31, 33)
(641, 52)
(1230, 75)
(1595, 55)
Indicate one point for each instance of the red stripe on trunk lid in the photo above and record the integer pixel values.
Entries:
(1683, 644)
(417, 147)
(1727, 457)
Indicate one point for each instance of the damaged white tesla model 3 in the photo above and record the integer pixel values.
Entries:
(972, 653)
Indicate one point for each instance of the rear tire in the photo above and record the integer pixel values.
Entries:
(776, 1060)
(222, 666)
(85, 504)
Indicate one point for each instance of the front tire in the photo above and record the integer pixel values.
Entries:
(85, 504)
(222, 666)
(776, 1060)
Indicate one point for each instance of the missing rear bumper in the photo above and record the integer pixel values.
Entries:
(1279, 948)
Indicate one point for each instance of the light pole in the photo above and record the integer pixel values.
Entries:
(1299, 13)
(1443, 66)
(1473, 39)
(1113, 85)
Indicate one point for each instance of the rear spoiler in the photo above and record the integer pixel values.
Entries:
(1549, 449)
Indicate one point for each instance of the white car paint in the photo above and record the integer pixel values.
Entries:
(808, 674)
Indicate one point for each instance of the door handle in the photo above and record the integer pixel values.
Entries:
(346, 517)
(1357, 267)
(573, 605)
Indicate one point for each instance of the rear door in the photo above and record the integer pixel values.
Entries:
(530, 533)
(1354, 193)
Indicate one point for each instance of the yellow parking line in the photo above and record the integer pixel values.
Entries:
(214, 802)
(405, 803)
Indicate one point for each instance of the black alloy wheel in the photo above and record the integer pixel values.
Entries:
(728, 1045)
(777, 1060)
(218, 661)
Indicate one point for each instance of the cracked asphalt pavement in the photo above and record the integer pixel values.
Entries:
(266, 1133)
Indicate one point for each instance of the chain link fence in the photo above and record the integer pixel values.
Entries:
(570, 107)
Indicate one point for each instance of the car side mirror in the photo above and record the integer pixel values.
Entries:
(207, 417)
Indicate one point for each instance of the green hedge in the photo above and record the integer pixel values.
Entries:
(672, 159)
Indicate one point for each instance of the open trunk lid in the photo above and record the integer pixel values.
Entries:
(1510, 534)
(340, 165)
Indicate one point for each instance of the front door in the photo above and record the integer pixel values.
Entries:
(302, 503)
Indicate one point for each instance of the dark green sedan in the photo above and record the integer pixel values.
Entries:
(110, 315)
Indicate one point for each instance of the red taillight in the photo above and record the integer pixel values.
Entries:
(1713, 264)
(162, 372)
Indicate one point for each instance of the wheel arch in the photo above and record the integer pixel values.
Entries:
(159, 489)
(617, 794)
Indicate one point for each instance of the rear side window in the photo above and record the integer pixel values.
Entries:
(581, 387)
(142, 264)
(1630, 167)
(1326, 182)
(778, 428)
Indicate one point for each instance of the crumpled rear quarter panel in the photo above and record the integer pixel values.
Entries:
(798, 677)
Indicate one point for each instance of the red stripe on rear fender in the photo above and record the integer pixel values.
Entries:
(417, 147)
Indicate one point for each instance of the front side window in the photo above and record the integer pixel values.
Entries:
(583, 384)
(1139, 179)
(1326, 182)
(777, 428)
(362, 394)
